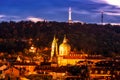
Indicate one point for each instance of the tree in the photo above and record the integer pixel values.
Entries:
(81, 71)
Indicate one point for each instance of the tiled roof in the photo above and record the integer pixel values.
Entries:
(74, 57)
(19, 63)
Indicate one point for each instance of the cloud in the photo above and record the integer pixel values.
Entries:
(9, 18)
(81, 12)
(113, 2)
(98, 1)
(1, 16)
(17, 18)
(34, 19)
(109, 10)
(112, 13)
(75, 0)
(115, 23)
(109, 2)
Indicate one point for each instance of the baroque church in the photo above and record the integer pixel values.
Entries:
(62, 54)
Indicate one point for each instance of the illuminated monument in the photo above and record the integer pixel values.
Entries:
(64, 56)
(70, 15)
(64, 48)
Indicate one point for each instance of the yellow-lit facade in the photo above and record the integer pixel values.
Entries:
(71, 59)
(64, 55)
(32, 49)
(64, 48)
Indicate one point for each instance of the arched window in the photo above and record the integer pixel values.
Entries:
(101, 72)
(108, 72)
(96, 71)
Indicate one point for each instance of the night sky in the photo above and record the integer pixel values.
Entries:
(88, 11)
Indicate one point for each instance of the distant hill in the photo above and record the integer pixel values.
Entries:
(91, 38)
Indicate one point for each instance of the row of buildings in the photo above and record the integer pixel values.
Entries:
(59, 65)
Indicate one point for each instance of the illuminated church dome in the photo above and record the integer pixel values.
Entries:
(64, 48)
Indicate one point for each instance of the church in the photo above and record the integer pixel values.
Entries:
(62, 54)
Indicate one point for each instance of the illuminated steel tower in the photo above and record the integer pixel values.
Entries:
(102, 17)
(70, 15)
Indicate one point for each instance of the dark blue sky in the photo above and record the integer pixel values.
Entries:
(57, 10)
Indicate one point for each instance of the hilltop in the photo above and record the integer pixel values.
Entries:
(90, 38)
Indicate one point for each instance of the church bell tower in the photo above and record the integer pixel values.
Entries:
(54, 50)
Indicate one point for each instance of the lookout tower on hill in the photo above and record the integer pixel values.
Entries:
(70, 15)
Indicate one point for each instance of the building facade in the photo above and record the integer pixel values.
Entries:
(64, 55)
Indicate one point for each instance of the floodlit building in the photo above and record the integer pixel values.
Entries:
(64, 48)
(64, 55)
(11, 73)
(32, 49)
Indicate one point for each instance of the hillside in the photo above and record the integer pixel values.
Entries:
(91, 38)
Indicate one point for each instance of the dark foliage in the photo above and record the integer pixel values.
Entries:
(81, 71)
(91, 38)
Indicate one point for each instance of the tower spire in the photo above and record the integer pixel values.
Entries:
(102, 17)
(70, 15)
(65, 39)
(54, 48)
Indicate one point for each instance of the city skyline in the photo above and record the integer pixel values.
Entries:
(88, 11)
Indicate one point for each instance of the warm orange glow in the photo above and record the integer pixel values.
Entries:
(32, 49)
(18, 59)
